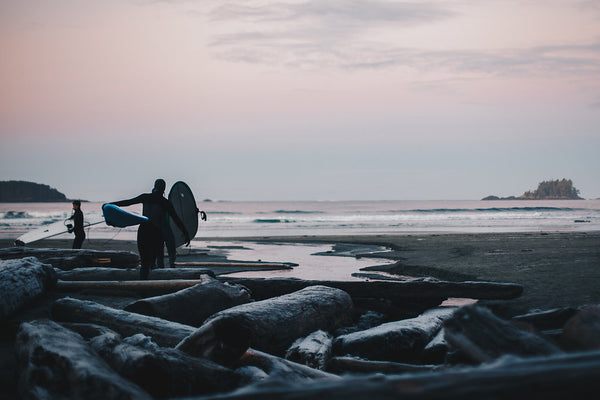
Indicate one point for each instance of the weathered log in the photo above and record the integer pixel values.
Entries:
(547, 319)
(483, 337)
(57, 363)
(567, 376)
(398, 291)
(266, 266)
(400, 341)
(270, 325)
(193, 305)
(280, 368)
(68, 259)
(21, 282)
(582, 331)
(436, 350)
(165, 333)
(163, 372)
(313, 350)
(87, 331)
(126, 288)
(118, 274)
(342, 365)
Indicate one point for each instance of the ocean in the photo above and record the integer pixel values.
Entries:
(286, 218)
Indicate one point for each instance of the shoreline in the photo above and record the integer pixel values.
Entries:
(556, 269)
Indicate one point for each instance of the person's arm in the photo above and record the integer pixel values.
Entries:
(136, 200)
(177, 221)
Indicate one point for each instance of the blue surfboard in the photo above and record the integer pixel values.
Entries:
(116, 216)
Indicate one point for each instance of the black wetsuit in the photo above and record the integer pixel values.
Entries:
(77, 218)
(149, 236)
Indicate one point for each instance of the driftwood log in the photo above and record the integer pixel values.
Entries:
(558, 377)
(399, 341)
(57, 363)
(313, 350)
(270, 325)
(68, 259)
(436, 350)
(193, 305)
(483, 337)
(582, 331)
(127, 288)
(342, 365)
(548, 319)
(163, 372)
(164, 333)
(280, 368)
(22, 281)
(118, 274)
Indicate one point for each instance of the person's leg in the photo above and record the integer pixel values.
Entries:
(160, 255)
(78, 241)
(170, 242)
(145, 244)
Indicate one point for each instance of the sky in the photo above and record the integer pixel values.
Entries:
(301, 99)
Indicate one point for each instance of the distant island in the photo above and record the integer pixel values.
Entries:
(25, 192)
(547, 190)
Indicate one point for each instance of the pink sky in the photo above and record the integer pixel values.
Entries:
(301, 99)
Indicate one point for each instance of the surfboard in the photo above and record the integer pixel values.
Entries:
(116, 216)
(182, 199)
(54, 229)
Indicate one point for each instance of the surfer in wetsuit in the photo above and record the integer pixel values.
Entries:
(149, 236)
(77, 219)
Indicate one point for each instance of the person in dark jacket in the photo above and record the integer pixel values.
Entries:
(77, 229)
(149, 237)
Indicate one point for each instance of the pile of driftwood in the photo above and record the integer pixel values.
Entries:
(293, 339)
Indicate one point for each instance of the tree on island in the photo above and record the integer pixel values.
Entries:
(547, 190)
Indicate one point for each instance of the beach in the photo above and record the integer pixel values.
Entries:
(555, 269)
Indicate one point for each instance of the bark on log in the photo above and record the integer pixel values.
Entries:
(164, 372)
(165, 333)
(21, 282)
(484, 337)
(400, 341)
(117, 274)
(270, 325)
(398, 291)
(68, 259)
(313, 351)
(57, 363)
(280, 368)
(572, 376)
(193, 305)
(342, 365)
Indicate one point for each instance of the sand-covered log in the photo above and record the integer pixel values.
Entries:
(270, 325)
(392, 290)
(118, 274)
(280, 368)
(482, 336)
(163, 372)
(313, 350)
(193, 305)
(572, 376)
(68, 258)
(22, 281)
(399, 341)
(164, 333)
(56, 363)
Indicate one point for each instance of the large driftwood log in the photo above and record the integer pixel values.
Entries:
(572, 376)
(582, 331)
(270, 325)
(342, 365)
(118, 274)
(313, 350)
(193, 305)
(483, 337)
(165, 333)
(400, 341)
(392, 290)
(22, 281)
(127, 288)
(68, 259)
(163, 372)
(280, 368)
(57, 363)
